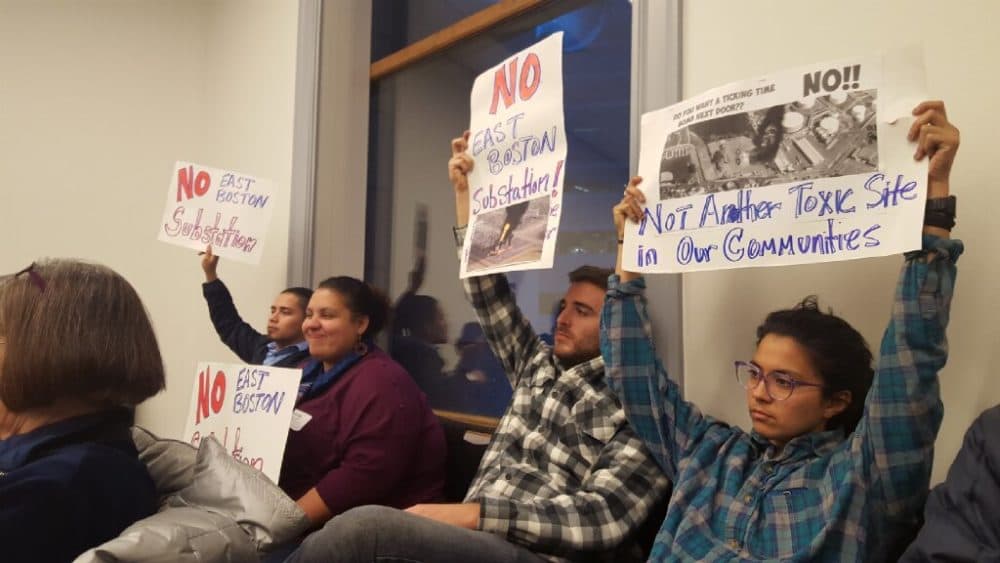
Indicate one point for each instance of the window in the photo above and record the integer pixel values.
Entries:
(415, 112)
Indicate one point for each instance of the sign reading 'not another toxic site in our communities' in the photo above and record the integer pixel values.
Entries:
(806, 165)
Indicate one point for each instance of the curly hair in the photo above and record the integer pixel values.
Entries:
(838, 353)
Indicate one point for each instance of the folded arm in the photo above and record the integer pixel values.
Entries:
(380, 435)
(616, 496)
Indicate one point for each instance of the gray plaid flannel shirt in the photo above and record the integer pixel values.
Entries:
(564, 475)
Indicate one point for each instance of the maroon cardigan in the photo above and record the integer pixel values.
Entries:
(372, 439)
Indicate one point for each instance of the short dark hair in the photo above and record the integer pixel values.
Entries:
(361, 299)
(591, 274)
(837, 351)
(303, 293)
(413, 313)
(75, 330)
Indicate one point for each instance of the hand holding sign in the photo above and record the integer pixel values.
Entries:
(459, 167)
(630, 206)
(209, 264)
(938, 138)
(631, 209)
(460, 164)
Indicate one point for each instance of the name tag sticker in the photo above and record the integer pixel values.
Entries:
(299, 420)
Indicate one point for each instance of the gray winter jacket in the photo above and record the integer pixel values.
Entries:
(213, 509)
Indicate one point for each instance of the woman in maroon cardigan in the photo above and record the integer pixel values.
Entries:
(362, 432)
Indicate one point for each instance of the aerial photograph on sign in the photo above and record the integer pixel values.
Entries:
(817, 137)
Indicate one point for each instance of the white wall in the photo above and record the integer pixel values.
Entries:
(98, 98)
(726, 40)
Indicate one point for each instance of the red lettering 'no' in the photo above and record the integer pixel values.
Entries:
(190, 184)
(210, 396)
(527, 84)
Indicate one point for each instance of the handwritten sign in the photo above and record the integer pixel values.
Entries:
(209, 206)
(807, 165)
(518, 142)
(247, 408)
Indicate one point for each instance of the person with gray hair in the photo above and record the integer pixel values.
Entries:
(77, 354)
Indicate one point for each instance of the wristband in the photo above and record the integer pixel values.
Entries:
(940, 212)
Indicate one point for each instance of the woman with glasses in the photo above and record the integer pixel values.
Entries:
(837, 462)
(77, 354)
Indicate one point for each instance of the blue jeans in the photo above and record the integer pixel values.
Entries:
(281, 553)
(384, 535)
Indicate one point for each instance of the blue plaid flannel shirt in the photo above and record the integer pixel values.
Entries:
(823, 497)
(564, 474)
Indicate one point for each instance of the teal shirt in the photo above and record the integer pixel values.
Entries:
(822, 497)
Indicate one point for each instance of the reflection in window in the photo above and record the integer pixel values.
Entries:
(399, 23)
(414, 115)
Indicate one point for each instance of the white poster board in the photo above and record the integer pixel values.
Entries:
(518, 142)
(247, 408)
(210, 206)
(806, 165)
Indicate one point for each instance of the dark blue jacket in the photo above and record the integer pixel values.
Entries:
(962, 517)
(242, 339)
(70, 486)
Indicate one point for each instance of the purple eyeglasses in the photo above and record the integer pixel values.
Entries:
(778, 384)
(34, 276)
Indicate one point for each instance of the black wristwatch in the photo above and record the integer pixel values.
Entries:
(940, 212)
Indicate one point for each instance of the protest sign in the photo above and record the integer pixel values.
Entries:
(247, 408)
(806, 165)
(518, 142)
(226, 209)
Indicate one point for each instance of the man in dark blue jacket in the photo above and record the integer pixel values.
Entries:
(282, 346)
(960, 520)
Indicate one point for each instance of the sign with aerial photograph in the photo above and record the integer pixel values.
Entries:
(517, 138)
(806, 165)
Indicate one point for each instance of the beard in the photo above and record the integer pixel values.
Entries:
(575, 357)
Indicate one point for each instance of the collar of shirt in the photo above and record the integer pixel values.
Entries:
(110, 427)
(590, 370)
(274, 354)
(315, 380)
(813, 444)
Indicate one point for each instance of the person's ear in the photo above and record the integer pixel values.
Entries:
(836, 404)
(361, 324)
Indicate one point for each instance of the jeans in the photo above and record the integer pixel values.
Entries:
(384, 535)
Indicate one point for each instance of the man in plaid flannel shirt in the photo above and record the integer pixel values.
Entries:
(826, 474)
(564, 479)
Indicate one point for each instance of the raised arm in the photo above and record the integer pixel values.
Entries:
(510, 335)
(895, 438)
(652, 402)
(237, 334)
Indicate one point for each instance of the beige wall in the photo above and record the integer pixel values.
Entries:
(726, 40)
(98, 98)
